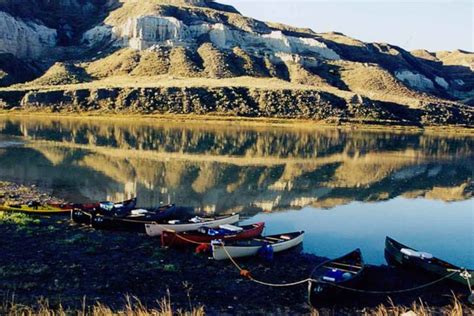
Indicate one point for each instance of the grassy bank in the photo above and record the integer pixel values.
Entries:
(134, 307)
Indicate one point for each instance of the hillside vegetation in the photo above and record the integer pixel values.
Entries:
(164, 42)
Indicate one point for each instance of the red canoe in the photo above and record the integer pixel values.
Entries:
(226, 232)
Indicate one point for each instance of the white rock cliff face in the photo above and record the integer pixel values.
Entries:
(154, 30)
(442, 82)
(24, 39)
(415, 80)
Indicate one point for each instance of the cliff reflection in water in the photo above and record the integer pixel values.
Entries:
(227, 168)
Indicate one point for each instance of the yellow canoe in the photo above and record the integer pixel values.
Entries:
(41, 209)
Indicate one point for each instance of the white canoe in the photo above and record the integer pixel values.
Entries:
(155, 229)
(245, 248)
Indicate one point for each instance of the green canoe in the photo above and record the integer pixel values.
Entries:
(400, 254)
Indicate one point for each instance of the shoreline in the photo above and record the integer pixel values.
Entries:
(65, 263)
(239, 121)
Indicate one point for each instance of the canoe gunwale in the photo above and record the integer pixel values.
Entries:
(434, 265)
(155, 229)
(188, 238)
(361, 268)
(221, 250)
(320, 290)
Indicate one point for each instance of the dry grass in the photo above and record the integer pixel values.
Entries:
(130, 9)
(122, 62)
(300, 75)
(201, 9)
(456, 57)
(217, 63)
(288, 28)
(416, 309)
(275, 71)
(250, 65)
(173, 80)
(62, 74)
(183, 64)
(133, 307)
(378, 84)
(153, 63)
(342, 39)
(420, 309)
(424, 54)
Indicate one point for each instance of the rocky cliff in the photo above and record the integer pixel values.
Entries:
(103, 43)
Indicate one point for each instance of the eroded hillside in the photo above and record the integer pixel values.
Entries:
(70, 46)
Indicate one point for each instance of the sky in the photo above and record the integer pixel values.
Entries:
(433, 25)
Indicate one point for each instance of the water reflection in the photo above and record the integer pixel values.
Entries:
(228, 168)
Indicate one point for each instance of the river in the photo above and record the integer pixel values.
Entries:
(345, 188)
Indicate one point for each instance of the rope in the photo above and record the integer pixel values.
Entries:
(189, 240)
(233, 260)
(467, 276)
(388, 292)
(281, 284)
(247, 274)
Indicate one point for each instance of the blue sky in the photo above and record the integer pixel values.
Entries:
(434, 25)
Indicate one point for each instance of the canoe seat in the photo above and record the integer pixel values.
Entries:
(273, 238)
(231, 228)
(265, 240)
(353, 266)
(331, 267)
(336, 275)
(195, 220)
(416, 254)
(139, 211)
(285, 237)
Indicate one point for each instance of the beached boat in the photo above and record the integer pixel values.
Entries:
(134, 220)
(125, 205)
(332, 275)
(221, 250)
(33, 208)
(399, 254)
(206, 235)
(84, 213)
(158, 227)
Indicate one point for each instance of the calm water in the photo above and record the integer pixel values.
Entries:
(346, 189)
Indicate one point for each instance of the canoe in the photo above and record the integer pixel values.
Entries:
(134, 220)
(157, 228)
(330, 276)
(399, 254)
(84, 213)
(33, 208)
(206, 235)
(125, 205)
(251, 247)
